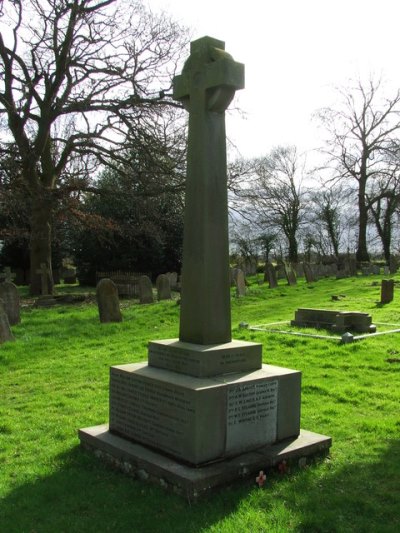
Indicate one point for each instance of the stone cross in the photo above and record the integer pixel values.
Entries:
(206, 87)
(44, 272)
(7, 275)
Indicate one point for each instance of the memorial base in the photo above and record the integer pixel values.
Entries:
(199, 420)
(193, 482)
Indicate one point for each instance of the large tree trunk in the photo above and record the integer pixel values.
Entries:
(40, 244)
(362, 251)
(293, 254)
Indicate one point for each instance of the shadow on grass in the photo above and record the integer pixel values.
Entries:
(359, 497)
(85, 495)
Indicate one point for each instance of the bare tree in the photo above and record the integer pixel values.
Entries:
(361, 133)
(383, 200)
(275, 197)
(81, 82)
(326, 217)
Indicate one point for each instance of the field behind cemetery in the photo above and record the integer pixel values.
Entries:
(54, 380)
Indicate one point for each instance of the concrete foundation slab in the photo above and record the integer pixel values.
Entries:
(193, 482)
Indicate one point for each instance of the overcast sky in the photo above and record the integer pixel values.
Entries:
(294, 52)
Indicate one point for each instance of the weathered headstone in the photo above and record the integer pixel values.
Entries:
(386, 270)
(46, 299)
(44, 278)
(10, 296)
(240, 283)
(173, 280)
(7, 275)
(309, 273)
(393, 265)
(375, 269)
(163, 287)
(290, 275)
(271, 275)
(204, 398)
(5, 331)
(145, 290)
(387, 291)
(108, 301)
(68, 273)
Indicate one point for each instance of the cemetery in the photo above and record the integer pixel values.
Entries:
(159, 369)
(172, 413)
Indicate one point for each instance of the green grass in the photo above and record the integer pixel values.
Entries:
(54, 380)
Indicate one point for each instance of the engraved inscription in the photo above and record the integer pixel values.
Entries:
(233, 358)
(252, 411)
(149, 411)
(210, 362)
(174, 359)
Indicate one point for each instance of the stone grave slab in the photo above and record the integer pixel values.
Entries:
(339, 321)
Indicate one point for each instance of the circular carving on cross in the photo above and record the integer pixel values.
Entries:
(209, 77)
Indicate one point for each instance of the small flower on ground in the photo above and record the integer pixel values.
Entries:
(283, 467)
(260, 479)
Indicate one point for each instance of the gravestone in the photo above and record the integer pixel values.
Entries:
(386, 270)
(46, 299)
(5, 331)
(173, 280)
(270, 276)
(108, 301)
(163, 287)
(10, 296)
(309, 273)
(44, 278)
(204, 400)
(145, 290)
(290, 275)
(240, 283)
(7, 275)
(387, 291)
(339, 321)
(393, 265)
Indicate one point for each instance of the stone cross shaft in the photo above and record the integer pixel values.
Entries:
(206, 87)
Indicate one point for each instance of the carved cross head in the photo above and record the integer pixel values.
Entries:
(209, 77)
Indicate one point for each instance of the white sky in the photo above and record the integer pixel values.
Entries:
(294, 52)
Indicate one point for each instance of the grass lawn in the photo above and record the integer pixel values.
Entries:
(54, 380)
